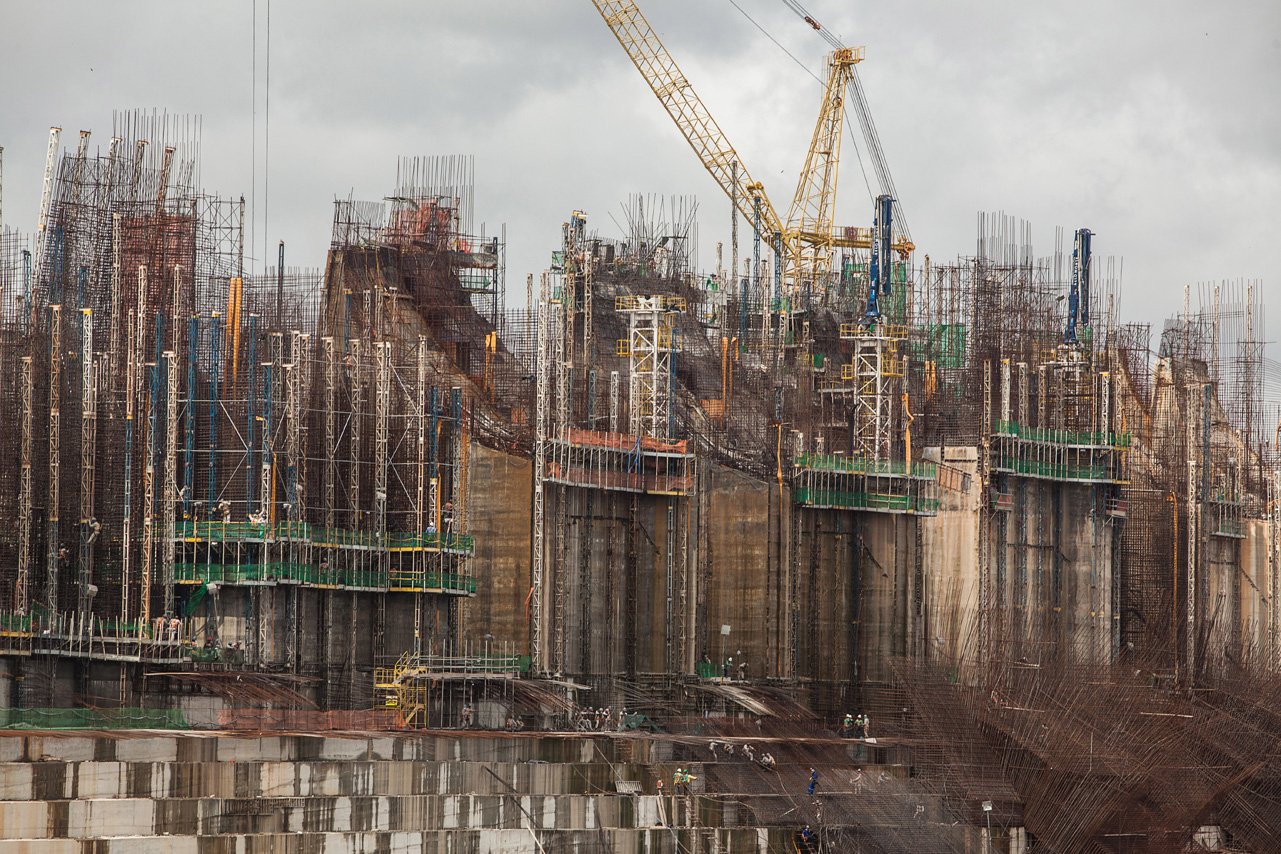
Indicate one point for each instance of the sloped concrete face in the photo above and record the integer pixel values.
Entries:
(425, 792)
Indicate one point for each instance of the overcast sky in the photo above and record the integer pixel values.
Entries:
(1156, 124)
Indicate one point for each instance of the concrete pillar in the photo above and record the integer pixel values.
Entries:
(6, 685)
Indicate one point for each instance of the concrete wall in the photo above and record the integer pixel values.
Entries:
(743, 584)
(499, 516)
(1241, 579)
(950, 546)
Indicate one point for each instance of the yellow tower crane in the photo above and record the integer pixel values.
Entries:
(809, 237)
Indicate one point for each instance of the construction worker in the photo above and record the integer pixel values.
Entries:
(448, 520)
(677, 777)
(686, 779)
(862, 722)
(767, 760)
(847, 726)
(813, 782)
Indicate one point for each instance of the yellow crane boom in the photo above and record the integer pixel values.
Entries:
(813, 204)
(808, 237)
(687, 110)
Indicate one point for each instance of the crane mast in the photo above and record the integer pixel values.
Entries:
(1079, 290)
(813, 204)
(881, 268)
(806, 241)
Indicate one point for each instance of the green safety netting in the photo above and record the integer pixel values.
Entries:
(213, 531)
(93, 719)
(1063, 437)
(864, 500)
(1055, 471)
(303, 573)
(944, 345)
(861, 465)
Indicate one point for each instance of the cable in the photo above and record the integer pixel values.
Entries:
(870, 137)
(253, 140)
(266, 145)
(832, 40)
(777, 43)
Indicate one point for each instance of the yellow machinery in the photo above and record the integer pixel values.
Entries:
(809, 237)
(404, 687)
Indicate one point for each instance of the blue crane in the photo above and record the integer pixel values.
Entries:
(882, 266)
(1079, 295)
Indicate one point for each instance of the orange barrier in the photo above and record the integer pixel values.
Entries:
(308, 720)
(625, 441)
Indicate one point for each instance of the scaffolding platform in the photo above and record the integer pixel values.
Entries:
(621, 462)
(837, 482)
(407, 685)
(1066, 456)
(96, 639)
(1225, 517)
(309, 575)
(302, 533)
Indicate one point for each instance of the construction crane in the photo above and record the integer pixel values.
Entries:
(871, 139)
(1079, 290)
(805, 242)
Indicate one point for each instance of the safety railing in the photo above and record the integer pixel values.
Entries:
(305, 532)
(864, 500)
(861, 465)
(1063, 437)
(311, 574)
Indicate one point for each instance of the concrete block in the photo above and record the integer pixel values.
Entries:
(348, 749)
(283, 779)
(382, 748)
(155, 749)
(24, 820)
(110, 817)
(42, 846)
(325, 779)
(410, 842)
(74, 748)
(150, 845)
(16, 781)
(97, 780)
(266, 749)
(11, 748)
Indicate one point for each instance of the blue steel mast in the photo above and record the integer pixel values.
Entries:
(1079, 294)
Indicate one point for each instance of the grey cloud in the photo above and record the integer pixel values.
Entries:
(1153, 123)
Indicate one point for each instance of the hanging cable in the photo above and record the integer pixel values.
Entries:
(253, 139)
(870, 137)
(266, 143)
(835, 42)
